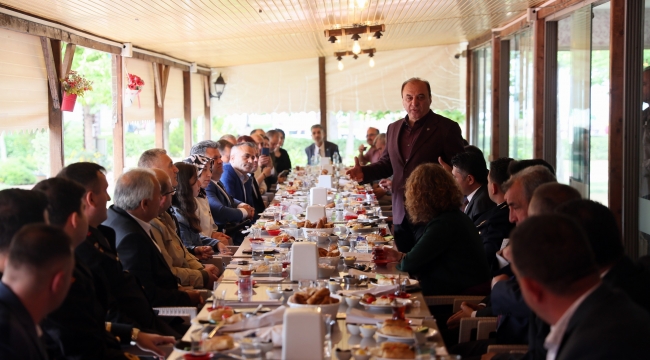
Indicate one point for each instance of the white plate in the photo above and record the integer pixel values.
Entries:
(407, 302)
(412, 282)
(396, 338)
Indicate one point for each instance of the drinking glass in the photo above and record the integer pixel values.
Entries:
(399, 310)
(250, 348)
(257, 248)
(277, 215)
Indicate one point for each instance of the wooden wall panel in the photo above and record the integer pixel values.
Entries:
(538, 84)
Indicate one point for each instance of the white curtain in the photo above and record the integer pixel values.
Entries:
(23, 83)
(142, 109)
(174, 95)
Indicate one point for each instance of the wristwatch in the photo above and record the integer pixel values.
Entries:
(134, 334)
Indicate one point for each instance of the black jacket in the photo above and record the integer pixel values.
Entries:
(76, 330)
(126, 302)
(606, 325)
(18, 339)
(479, 205)
(494, 226)
(142, 258)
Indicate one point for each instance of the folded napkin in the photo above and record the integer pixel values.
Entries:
(295, 209)
(377, 290)
(269, 319)
(269, 333)
(358, 316)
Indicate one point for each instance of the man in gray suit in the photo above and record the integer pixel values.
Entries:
(320, 147)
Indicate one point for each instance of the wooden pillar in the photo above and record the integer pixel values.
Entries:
(322, 89)
(550, 94)
(617, 109)
(468, 93)
(160, 75)
(538, 86)
(52, 55)
(118, 110)
(207, 117)
(187, 112)
(496, 77)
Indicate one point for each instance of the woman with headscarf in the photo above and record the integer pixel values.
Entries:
(187, 205)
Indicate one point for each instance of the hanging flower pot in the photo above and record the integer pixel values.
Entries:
(129, 97)
(68, 102)
(73, 85)
(133, 87)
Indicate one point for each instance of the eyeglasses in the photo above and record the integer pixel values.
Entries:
(172, 192)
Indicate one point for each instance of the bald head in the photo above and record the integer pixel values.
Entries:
(242, 157)
(547, 197)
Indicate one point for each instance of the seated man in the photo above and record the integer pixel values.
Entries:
(127, 302)
(321, 147)
(187, 268)
(158, 159)
(470, 172)
(18, 207)
(235, 178)
(37, 276)
(228, 213)
(560, 282)
(77, 327)
(373, 154)
(494, 226)
(136, 202)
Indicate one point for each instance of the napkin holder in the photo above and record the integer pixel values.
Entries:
(304, 261)
(318, 196)
(325, 181)
(303, 334)
(315, 213)
(325, 160)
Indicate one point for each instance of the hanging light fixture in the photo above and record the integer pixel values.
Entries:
(332, 39)
(340, 62)
(356, 48)
(372, 61)
(378, 34)
(355, 56)
(219, 86)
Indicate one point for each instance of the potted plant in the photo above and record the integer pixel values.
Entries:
(133, 88)
(73, 85)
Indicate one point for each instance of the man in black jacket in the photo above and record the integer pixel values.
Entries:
(560, 281)
(136, 202)
(127, 302)
(493, 225)
(470, 172)
(77, 329)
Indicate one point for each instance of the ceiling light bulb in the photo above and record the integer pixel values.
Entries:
(356, 48)
(340, 65)
(372, 62)
(361, 3)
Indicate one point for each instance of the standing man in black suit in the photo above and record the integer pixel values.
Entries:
(470, 172)
(320, 147)
(493, 225)
(136, 203)
(560, 282)
(37, 277)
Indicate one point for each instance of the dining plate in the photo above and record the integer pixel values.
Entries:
(409, 339)
(407, 302)
(412, 282)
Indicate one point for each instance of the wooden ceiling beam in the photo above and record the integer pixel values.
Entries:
(355, 30)
(52, 69)
(480, 41)
(349, 53)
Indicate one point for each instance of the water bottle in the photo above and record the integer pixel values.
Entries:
(335, 158)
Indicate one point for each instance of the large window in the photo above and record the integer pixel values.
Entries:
(481, 134)
(521, 122)
(583, 101)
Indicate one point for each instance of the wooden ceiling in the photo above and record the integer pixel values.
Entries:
(219, 33)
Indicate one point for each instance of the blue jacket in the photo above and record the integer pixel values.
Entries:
(234, 186)
(191, 238)
(19, 339)
(222, 205)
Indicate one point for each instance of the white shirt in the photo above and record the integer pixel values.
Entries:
(147, 228)
(554, 338)
(470, 196)
(321, 149)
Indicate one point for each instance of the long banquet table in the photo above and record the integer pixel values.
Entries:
(340, 338)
